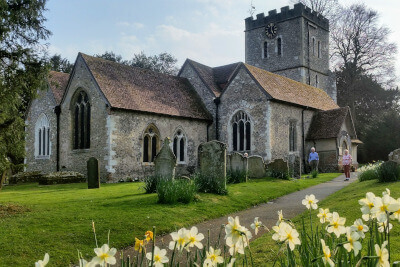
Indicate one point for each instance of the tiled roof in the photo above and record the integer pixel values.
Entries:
(58, 83)
(327, 124)
(133, 88)
(215, 78)
(288, 90)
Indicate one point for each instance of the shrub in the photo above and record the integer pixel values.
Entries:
(369, 171)
(150, 184)
(236, 176)
(314, 173)
(389, 172)
(278, 174)
(173, 191)
(210, 184)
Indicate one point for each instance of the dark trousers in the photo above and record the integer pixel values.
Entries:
(314, 165)
(346, 170)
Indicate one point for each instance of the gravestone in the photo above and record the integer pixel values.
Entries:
(256, 167)
(236, 162)
(294, 162)
(165, 162)
(93, 173)
(278, 168)
(212, 160)
(395, 156)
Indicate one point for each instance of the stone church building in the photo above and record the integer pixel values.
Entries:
(278, 104)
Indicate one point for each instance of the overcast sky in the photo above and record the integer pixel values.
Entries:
(208, 31)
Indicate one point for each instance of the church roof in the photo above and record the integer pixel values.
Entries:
(288, 90)
(327, 124)
(133, 88)
(214, 78)
(58, 83)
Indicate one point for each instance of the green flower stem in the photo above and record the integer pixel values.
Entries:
(154, 245)
(312, 233)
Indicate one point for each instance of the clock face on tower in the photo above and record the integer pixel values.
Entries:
(270, 30)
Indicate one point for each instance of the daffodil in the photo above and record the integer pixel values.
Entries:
(327, 254)
(285, 233)
(237, 247)
(359, 227)
(148, 235)
(139, 245)
(213, 257)
(383, 205)
(310, 202)
(386, 192)
(159, 257)
(324, 215)
(396, 214)
(383, 255)
(255, 225)
(42, 263)
(84, 263)
(235, 231)
(367, 204)
(383, 225)
(352, 241)
(230, 264)
(180, 238)
(336, 224)
(280, 217)
(105, 255)
(194, 238)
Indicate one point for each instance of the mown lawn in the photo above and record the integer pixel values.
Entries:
(57, 219)
(345, 202)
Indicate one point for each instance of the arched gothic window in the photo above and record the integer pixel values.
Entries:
(292, 136)
(265, 49)
(179, 146)
(151, 143)
(241, 132)
(42, 137)
(279, 44)
(81, 121)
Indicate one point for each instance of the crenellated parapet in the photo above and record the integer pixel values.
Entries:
(299, 10)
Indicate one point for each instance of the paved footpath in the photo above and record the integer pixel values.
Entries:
(290, 205)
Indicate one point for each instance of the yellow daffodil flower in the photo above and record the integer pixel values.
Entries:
(149, 236)
(139, 245)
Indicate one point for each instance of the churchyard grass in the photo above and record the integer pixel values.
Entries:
(57, 219)
(345, 202)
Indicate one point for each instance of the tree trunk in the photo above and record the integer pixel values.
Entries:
(3, 178)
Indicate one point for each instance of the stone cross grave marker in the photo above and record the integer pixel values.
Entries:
(165, 162)
(212, 160)
(93, 173)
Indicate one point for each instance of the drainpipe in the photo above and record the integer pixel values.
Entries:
(217, 101)
(303, 138)
(57, 110)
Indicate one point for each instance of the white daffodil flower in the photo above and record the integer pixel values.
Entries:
(336, 224)
(280, 217)
(84, 263)
(359, 227)
(159, 257)
(257, 224)
(353, 243)
(105, 255)
(383, 205)
(367, 204)
(324, 215)
(310, 202)
(238, 247)
(383, 255)
(396, 214)
(235, 231)
(42, 263)
(285, 233)
(383, 225)
(213, 257)
(194, 238)
(179, 238)
(327, 254)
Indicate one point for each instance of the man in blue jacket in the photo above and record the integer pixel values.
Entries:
(313, 159)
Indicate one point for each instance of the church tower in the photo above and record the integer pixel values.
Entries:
(293, 43)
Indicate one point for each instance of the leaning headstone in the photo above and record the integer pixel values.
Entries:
(93, 173)
(237, 162)
(256, 167)
(278, 168)
(165, 162)
(294, 163)
(212, 160)
(395, 156)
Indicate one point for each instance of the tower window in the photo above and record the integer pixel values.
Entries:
(279, 44)
(42, 137)
(313, 46)
(241, 132)
(151, 143)
(82, 121)
(319, 49)
(292, 136)
(179, 146)
(265, 50)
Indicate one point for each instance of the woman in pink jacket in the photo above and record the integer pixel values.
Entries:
(346, 162)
